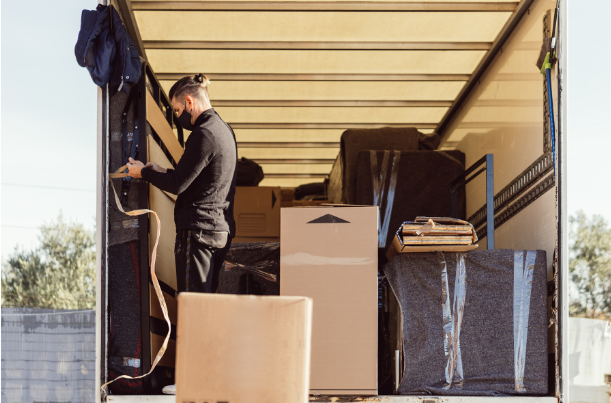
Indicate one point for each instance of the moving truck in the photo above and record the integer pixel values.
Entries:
(291, 76)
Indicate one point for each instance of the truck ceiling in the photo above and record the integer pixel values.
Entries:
(291, 76)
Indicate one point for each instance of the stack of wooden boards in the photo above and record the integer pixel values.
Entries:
(430, 234)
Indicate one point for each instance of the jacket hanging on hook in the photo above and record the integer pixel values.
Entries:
(105, 48)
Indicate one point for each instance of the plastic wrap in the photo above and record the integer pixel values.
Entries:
(452, 321)
(472, 340)
(258, 260)
(381, 193)
(522, 290)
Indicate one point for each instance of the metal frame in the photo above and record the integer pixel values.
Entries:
(101, 297)
(515, 188)
(563, 247)
(462, 181)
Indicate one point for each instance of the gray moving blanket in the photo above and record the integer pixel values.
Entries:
(421, 186)
(355, 140)
(474, 323)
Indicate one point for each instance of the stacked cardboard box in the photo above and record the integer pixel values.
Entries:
(257, 214)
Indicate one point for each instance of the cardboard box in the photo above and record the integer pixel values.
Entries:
(330, 254)
(242, 348)
(256, 211)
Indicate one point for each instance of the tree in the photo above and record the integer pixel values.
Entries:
(590, 266)
(58, 274)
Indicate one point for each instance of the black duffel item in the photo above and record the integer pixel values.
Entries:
(474, 323)
(251, 268)
(317, 191)
(249, 173)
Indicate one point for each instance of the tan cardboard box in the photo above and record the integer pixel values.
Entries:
(234, 348)
(330, 254)
(256, 211)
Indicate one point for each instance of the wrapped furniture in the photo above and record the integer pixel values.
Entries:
(254, 266)
(407, 184)
(342, 181)
(473, 323)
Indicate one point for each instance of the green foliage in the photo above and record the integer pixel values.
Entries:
(590, 266)
(59, 274)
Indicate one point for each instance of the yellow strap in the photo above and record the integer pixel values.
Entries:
(164, 307)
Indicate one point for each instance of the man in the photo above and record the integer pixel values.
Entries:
(204, 180)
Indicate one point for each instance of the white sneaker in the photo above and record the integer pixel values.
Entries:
(169, 390)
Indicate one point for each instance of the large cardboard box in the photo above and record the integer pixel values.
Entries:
(330, 254)
(242, 348)
(256, 211)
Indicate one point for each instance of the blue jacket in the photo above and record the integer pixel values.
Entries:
(108, 54)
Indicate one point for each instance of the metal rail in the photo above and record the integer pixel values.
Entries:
(465, 178)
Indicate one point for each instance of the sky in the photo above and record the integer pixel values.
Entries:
(48, 117)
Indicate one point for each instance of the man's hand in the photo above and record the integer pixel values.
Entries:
(155, 167)
(134, 168)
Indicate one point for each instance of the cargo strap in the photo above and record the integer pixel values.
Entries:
(119, 174)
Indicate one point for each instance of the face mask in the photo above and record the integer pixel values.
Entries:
(185, 119)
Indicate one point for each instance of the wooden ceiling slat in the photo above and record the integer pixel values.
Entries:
(322, 6)
(318, 77)
(287, 144)
(294, 103)
(315, 61)
(277, 45)
(344, 126)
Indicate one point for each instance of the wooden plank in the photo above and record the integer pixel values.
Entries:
(169, 358)
(161, 126)
(164, 207)
(170, 301)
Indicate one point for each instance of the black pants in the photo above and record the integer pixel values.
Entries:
(199, 258)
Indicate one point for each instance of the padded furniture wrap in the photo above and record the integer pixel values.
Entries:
(422, 186)
(474, 323)
(355, 140)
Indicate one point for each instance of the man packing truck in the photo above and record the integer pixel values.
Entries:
(407, 240)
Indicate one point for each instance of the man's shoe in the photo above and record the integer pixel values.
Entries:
(169, 390)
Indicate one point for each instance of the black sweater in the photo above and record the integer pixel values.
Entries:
(204, 178)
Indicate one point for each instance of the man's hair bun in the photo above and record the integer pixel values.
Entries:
(199, 78)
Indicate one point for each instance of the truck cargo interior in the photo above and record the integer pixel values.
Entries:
(421, 108)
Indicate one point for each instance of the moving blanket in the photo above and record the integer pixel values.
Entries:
(407, 184)
(259, 260)
(474, 323)
(343, 181)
